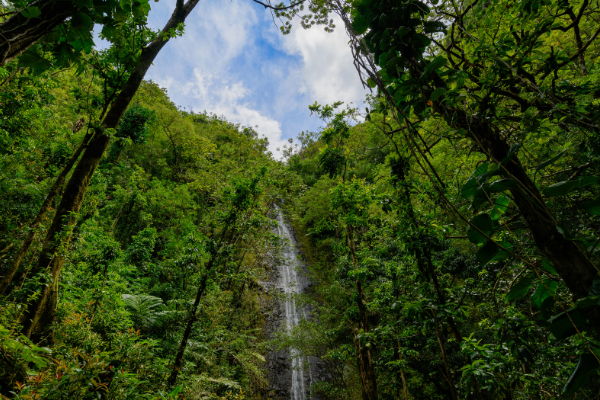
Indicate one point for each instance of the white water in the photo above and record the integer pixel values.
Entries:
(288, 271)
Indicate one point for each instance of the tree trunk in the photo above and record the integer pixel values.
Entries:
(448, 374)
(41, 311)
(568, 259)
(570, 262)
(54, 191)
(20, 33)
(404, 385)
(364, 356)
(188, 329)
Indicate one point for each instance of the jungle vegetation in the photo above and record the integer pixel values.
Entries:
(451, 233)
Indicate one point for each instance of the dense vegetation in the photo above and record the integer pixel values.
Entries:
(175, 192)
(452, 233)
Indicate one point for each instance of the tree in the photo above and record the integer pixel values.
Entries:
(41, 311)
(63, 29)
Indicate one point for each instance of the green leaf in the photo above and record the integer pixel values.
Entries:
(491, 251)
(562, 188)
(502, 254)
(120, 15)
(586, 367)
(551, 161)
(360, 24)
(500, 207)
(420, 41)
(502, 185)
(31, 12)
(480, 197)
(562, 327)
(542, 293)
(437, 93)
(487, 252)
(587, 301)
(81, 20)
(471, 185)
(484, 223)
(371, 83)
(140, 10)
(592, 207)
(520, 289)
(175, 391)
(595, 289)
(511, 152)
(31, 59)
(437, 63)
(547, 266)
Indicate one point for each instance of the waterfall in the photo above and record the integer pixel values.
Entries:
(292, 283)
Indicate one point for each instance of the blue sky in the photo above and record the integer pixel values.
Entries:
(233, 61)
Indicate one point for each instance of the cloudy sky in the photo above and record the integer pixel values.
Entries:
(233, 61)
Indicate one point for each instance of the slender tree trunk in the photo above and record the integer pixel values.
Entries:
(41, 311)
(404, 385)
(192, 318)
(20, 33)
(364, 355)
(54, 191)
(423, 256)
(446, 366)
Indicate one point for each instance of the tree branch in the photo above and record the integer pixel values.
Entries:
(278, 8)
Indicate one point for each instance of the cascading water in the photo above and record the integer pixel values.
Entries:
(291, 282)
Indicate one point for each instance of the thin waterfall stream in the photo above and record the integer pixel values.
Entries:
(288, 377)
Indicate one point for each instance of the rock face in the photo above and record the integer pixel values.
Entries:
(287, 380)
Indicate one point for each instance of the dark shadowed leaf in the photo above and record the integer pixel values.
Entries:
(586, 368)
(484, 223)
(520, 289)
(592, 207)
(561, 325)
(562, 188)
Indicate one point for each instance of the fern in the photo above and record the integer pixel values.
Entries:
(146, 311)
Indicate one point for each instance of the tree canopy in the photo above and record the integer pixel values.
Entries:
(450, 232)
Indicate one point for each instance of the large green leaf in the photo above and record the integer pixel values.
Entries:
(360, 24)
(33, 60)
(437, 63)
(592, 207)
(502, 185)
(511, 152)
(520, 289)
(437, 93)
(562, 327)
(551, 161)
(31, 12)
(586, 367)
(562, 188)
(500, 207)
(487, 252)
(81, 20)
(545, 290)
(485, 224)
(471, 185)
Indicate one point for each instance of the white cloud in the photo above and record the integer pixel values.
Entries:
(217, 95)
(232, 61)
(328, 69)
